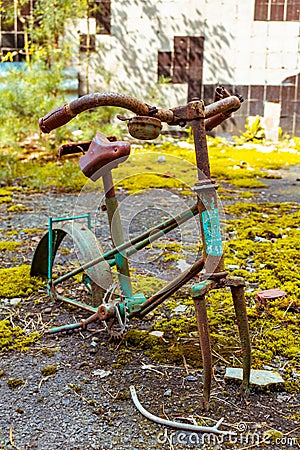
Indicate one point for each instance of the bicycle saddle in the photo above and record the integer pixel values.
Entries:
(102, 155)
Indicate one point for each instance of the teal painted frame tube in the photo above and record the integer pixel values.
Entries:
(50, 250)
(137, 243)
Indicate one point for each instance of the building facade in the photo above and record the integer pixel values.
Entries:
(173, 50)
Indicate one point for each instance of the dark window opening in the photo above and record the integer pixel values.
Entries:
(180, 60)
(277, 10)
(164, 67)
(13, 18)
(184, 65)
(101, 11)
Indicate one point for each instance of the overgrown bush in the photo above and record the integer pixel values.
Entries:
(29, 91)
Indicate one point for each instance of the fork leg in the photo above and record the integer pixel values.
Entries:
(242, 321)
(203, 330)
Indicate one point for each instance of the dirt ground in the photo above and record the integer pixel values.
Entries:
(86, 404)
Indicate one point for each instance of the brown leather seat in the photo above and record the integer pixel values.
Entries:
(103, 155)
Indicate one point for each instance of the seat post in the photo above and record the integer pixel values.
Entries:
(116, 231)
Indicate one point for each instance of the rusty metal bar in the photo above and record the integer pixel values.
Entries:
(203, 330)
(165, 227)
(172, 287)
(178, 425)
(226, 104)
(207, 202)
(242, 321)
(199, 134)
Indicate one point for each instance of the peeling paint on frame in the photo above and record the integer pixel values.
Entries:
(212, 233)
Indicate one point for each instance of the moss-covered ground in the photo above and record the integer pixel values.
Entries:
(263, 243)
(264, 249)
(163, 164)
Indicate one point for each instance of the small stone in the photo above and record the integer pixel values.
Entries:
(157, 333)
(167, 393)
(260, 239)
(191, 378)
(258, 377)
(233, 266)
(102, 373)
(15, 301)
(281, 398)
(268, 367)
(180, 308)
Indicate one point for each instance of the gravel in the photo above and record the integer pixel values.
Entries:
(76, 409)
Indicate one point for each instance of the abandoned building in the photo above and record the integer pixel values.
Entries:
(182, 49)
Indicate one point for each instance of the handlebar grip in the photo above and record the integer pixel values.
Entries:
(56, 118)
(227, 104)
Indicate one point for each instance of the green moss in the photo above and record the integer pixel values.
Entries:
(248, 183)
(9, 246)
(163, 351)
(142, 170)
(292, 386)
(49, 370)
(76, 388)
(65, 251)
(147, 285)
(246, 194)
(171, 257)
(18, 207)
(16, 282)
(14, 338)
(5, 199)
(186, 192)
(13, 383)
(5, 192)
(169, 246)
(50, 351)
(12, 233)
(149, 180)
(32, 230)
(274, 328)
(273, 435)
(179, 325)
(124, 357)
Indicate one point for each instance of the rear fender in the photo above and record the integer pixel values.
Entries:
(87, 246)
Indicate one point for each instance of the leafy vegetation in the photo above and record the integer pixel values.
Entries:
(35, 86)
(254, 132)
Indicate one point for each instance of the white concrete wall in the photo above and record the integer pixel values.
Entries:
(237, 49)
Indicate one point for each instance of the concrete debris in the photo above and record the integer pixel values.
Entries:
(257, 377)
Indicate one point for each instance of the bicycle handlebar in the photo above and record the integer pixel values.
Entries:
(63, 114)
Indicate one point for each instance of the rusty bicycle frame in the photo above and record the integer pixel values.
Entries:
(98, 160)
